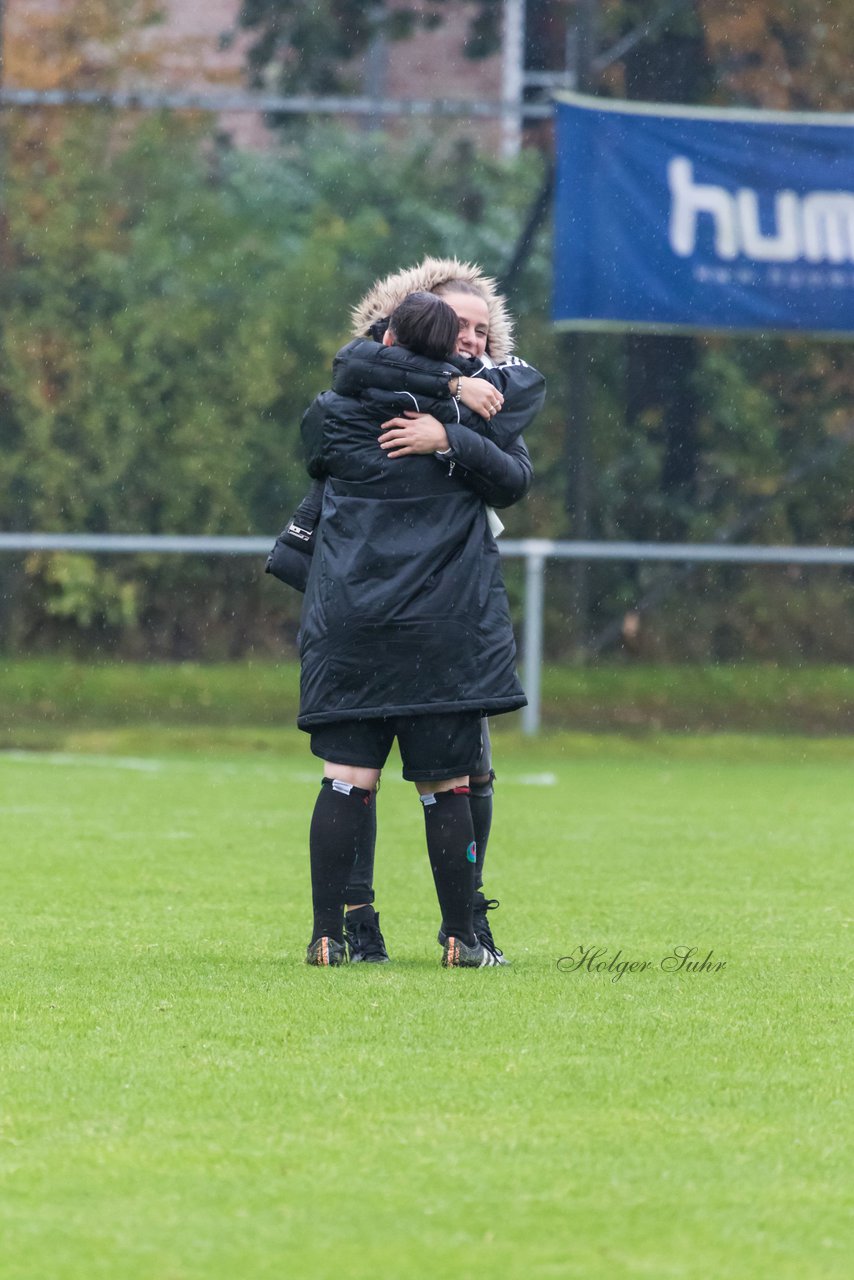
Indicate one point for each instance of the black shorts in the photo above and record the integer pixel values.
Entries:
(432, 747)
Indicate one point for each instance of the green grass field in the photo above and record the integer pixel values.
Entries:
(182, 1098)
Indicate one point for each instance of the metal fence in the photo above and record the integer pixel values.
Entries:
(536, 552)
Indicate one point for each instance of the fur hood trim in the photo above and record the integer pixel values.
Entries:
(379, 302)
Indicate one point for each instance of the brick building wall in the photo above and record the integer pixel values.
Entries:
(185, 51)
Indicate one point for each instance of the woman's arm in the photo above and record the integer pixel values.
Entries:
(501, 477)
(363, 365)
(523, 389)
(413, 433)
(313, 432)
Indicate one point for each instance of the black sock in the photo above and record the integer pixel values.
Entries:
(451, 848)
(361, 915)
(341, 814)
(360, 885)
(480, 802)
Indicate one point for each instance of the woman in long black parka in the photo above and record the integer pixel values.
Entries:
(405, 631)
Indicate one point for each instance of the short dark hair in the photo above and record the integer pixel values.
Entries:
(425, 325)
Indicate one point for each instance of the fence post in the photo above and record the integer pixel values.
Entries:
(535, 563)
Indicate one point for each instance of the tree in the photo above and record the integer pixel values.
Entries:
(786, 55)
(75, 44)
(783, 54)
(301, 46)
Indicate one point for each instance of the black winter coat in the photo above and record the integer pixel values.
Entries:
(364, 365)
(405, 610)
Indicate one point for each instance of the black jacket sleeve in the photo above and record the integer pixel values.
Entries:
(364, 365)
(499, 476)
(391, 404)
(524, 390)
(313, 431)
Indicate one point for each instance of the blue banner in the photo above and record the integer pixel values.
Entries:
(673, 218)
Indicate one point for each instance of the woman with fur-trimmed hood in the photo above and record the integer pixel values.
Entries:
(436, 275)
(484, 348)
(501, 475)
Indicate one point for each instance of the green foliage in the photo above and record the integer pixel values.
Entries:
(78, 590)
(238, 705)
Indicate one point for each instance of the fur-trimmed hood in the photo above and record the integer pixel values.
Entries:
(379, 302)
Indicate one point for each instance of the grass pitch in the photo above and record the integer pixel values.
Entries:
(182, 1098)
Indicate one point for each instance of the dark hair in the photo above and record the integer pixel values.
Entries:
(425, 325)
(378, 328)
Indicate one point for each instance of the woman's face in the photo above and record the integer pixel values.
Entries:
(474, 322)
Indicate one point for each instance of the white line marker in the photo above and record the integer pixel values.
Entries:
(97, 762)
